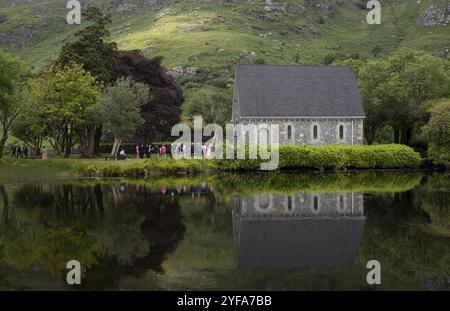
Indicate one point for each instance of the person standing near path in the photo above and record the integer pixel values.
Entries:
(44, 154)
(137, 152)
(141, 151)
(162, 151)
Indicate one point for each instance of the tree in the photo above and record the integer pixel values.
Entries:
(91, 48)
(63, 96)
(212, 104)
(395, 90)
(414, 79)
(120, 109)
(163, 108)
(30, 128)
(438, 132)
(371, 78)
(11, 103)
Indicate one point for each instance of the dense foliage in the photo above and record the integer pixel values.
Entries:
(11, 70)
(395, 92)
(334, 157)
(60, 108)
(91, 48)
(120, 108)
(163, 109)
(438, 132)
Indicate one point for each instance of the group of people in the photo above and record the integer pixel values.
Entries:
(146, 151)
(19, 152)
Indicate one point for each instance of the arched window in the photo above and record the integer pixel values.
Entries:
(315, 132)
(341, 204)
(341, 132)
(264, 136)
(316, 203)
(289, 132)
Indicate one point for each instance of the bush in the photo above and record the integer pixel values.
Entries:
(334, 157)
(143, 168)
(438, 132)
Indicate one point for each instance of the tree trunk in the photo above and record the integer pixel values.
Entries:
(4, 138)
(116, 145)
(396, 136)
(69, 145)
(92, 143)
(406, 136)
(98, 136)
(88, 141)
(370, 132)
(2, 144)
(37, 146)
(5, 201)
(56, 149)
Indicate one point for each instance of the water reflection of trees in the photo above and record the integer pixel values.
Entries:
(398, 234)
(124, 229)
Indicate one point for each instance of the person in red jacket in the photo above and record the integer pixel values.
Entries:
(162, 151)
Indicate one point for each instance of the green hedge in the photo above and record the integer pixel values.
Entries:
(144, 168)
(334, 157)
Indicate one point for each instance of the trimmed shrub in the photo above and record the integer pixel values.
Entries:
(143, 168)
(334, 157)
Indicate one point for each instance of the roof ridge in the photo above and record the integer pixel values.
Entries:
(294, 65)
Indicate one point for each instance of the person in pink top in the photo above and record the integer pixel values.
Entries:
(162, 150)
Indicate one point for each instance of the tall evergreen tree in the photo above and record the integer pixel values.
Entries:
(91, 48)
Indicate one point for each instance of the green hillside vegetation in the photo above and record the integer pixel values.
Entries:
(214, 36)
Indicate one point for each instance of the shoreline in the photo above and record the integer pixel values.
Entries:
(149, 168)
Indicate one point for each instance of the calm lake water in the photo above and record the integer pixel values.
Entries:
(248, 232)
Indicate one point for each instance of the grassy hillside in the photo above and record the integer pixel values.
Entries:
(212, 36)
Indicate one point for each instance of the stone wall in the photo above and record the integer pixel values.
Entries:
(327, 130)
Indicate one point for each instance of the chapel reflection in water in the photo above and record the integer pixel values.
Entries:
(300, 230)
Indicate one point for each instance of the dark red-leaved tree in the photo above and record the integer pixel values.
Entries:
(163, 109)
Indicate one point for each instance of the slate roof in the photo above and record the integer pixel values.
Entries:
(297, 91)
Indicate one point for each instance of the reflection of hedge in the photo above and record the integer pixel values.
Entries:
(276, 182)
(335, 157)
(328, 182)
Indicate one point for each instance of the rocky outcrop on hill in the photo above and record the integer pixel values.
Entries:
(434, 16)
(180, 71)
